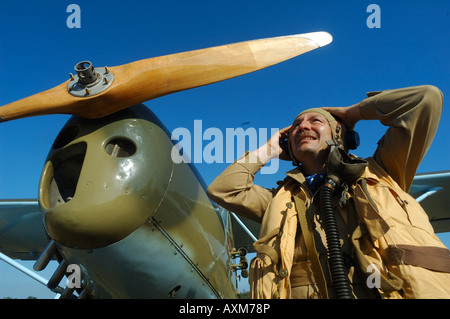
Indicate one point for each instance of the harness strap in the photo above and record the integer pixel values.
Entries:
(311, 248)
(301, 274)
(432, 258)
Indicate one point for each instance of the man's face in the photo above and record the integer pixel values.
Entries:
(308, 136)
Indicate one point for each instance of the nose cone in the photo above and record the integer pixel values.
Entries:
(104, 178)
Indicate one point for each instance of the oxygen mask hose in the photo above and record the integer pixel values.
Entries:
(335, 255)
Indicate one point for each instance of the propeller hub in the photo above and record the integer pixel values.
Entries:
(89, 81)
(86, 73)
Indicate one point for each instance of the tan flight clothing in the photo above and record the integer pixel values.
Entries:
(390, 246)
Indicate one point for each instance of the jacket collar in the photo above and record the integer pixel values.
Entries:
(298, 176)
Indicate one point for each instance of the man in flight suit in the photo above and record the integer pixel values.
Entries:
(382, 244)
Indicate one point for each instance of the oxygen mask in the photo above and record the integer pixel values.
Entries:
(346, 167)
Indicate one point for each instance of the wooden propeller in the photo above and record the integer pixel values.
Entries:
(143, 80)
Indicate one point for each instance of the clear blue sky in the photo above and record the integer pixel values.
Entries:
(38, 51)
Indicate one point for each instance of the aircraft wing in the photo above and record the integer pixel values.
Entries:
(432, 191)
(22, 234)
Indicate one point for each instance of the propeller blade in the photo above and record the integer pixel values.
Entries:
(136, 82)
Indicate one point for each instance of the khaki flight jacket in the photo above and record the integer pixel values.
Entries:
(395, 236)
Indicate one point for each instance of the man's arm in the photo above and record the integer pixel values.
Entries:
(412, 115)
(234, 188)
